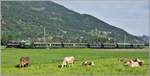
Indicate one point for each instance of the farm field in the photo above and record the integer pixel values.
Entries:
(44, 62)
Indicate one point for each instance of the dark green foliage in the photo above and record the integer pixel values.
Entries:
(26, 20)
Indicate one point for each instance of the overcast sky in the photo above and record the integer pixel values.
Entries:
(130, 15)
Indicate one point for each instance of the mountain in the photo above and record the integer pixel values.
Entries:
(27, 20)
(144, 38)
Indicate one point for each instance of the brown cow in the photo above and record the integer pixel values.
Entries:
(24, 61)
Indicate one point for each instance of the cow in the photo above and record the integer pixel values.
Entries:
(88, 63)
(131, 63)
(24, 61)
(135, 62)
(67, 61)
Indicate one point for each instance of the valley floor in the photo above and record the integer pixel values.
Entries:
(44, 62)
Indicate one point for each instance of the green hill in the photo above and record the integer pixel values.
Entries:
(27, 19)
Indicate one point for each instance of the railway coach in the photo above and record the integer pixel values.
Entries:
(74, 45)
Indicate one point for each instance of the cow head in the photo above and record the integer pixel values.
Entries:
(62, 65)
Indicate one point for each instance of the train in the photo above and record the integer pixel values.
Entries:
(73, 45)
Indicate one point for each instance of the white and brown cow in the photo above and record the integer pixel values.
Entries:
(135, 63)
(67, 61)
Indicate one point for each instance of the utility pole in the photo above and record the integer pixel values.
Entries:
(44, 34)
(124, 40)
(45, 38)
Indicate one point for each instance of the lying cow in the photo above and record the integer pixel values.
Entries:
(88, 63)
(67, 61)
(135, 63)
(131, 63)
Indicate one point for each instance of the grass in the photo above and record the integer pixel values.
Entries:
(45, 61)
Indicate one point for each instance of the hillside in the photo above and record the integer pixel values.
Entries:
(144, 38)
(27, 19)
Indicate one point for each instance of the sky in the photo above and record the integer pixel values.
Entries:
(130, 15)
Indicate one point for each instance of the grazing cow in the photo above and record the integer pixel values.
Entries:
(24, 61)
(67, 61)
(88, 63)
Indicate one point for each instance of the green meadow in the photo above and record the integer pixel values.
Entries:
(44, 62)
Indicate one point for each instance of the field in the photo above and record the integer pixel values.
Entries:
(44, 62)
